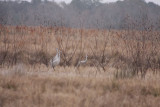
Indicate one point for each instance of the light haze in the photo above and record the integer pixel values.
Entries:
(104, 1)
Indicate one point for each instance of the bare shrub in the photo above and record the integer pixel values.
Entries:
(39, 57)
(67, 45)
(140, 46)
(99, 51)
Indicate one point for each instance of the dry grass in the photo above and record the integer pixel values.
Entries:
(26, 86)
(107, 79)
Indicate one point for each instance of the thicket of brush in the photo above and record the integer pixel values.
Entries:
(131, 51)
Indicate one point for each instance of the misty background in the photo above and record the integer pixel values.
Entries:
(79, 13)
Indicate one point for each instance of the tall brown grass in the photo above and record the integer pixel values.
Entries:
(117, 59)
(131, 52)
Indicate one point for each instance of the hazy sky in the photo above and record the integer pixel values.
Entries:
(68, 1)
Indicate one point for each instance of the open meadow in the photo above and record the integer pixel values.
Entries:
(122, 69)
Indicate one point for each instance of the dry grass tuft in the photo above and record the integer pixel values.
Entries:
(65, 87)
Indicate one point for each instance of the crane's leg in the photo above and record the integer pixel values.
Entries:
(76, 67)
(53, 68)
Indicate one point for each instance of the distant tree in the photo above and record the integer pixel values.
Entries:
(90, 12)
(35, 2)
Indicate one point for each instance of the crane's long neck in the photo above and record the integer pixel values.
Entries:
(57, 50)
(59, 54)
(86, 59)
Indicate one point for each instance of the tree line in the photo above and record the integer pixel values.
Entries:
(79, 13)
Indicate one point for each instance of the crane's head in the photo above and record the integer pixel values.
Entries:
(57, 50)
(86, 56)
(60, 51)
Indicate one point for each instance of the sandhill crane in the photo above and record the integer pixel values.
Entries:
(56, 60)
(82, 62)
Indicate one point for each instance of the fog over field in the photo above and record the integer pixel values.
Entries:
(107, 1)
(78, 13)
(103, 1)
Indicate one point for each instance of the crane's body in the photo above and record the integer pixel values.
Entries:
(82, 62)
(56, 60)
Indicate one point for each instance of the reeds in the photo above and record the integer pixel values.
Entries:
(131, 52)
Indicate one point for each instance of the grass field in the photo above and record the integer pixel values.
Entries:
(122, 68)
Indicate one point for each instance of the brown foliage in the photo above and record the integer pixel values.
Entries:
(129, 51)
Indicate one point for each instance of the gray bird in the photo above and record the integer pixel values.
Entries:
(56, 60)
(82, 62)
